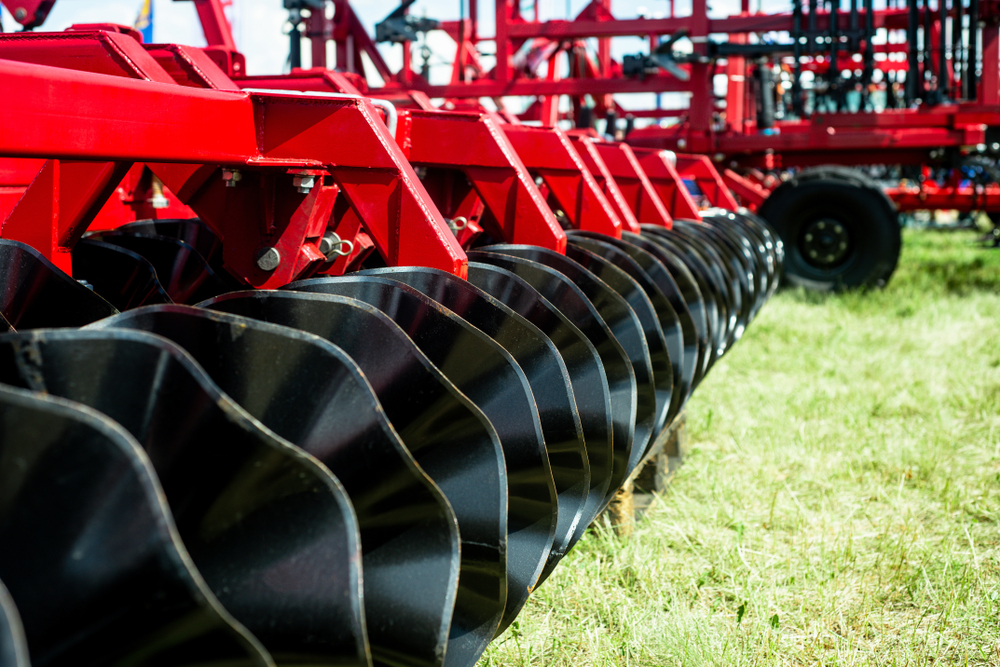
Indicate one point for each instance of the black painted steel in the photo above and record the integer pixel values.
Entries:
(702, 290)
(682, 294)
(590, 383)
(624, 325)
(13, 645)
(727, 269)
(184, 273)
(672, 312)
(546, 371)
(494, 381)
(121, 276)
(450, 437)
(313, 395)
(90, 551)
(191, 231)
(270, 528)
(592, 255)
(574, 304)
(35, 294)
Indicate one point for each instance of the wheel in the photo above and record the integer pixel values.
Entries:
(839, 229)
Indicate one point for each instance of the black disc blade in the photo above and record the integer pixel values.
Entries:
(191, 231)
(313, 395)
(624, 325)
(35, 294)
(586, 372)
(639, 301)
(90, 551)
(184, 273)
(121, 276)
(449, 436)
(270, 529)
(13, 645)
(492, 379)
(575, 306)
(546, 371)
(682, 292)
(691, 272)
(672, 311)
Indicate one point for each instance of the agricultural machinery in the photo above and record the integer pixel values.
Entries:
(300, 370)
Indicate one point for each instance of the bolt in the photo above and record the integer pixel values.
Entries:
(829, 258)
(268, 259)
(20, 13)
(231, 177)
(821, 225)
(843, 246)
(304, 182)
(809, 237)
(812, 253)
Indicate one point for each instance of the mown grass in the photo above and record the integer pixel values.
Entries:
(839, 504)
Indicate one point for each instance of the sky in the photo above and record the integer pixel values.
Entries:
(260, 27)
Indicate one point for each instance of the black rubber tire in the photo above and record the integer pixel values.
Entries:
(853, 203)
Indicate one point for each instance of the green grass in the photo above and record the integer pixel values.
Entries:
(839, 504)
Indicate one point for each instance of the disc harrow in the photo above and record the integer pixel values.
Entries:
(317, 422)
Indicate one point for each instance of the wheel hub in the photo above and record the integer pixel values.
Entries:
(824, 243)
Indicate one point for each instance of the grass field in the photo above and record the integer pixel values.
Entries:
(840, 502)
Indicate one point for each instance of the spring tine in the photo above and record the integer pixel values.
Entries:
(35, 294)
(182, 271)
(91, 554)
(448, 435)
(625, 326)
(270, 529)
(546, 371)
(121, 276)
(632, 290)
(13, 645)
(663, 311)
(574, 304)
(490, 377)
(590, 383)
(313, 395)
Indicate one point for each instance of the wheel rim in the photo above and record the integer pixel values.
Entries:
(825, 243)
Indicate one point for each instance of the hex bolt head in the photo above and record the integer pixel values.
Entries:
(268, 259)
(304, 183)
(809, 237)
(812, 253)
(20, 13)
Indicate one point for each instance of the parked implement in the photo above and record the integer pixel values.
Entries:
(293, 377)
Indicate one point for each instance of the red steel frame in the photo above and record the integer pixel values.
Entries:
(134, 130)
(897, 136)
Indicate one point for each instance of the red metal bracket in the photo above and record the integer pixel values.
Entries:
(633, 183)
(549, 153)
(660, 169)
(701, 170)
(587, 149)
